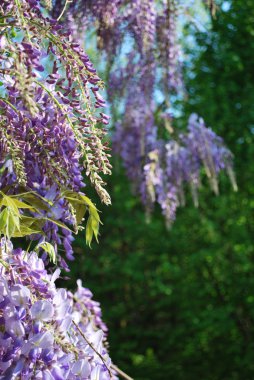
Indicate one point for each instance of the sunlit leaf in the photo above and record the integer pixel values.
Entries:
(80, 212)
(14, 204)
(9, 222)
(4, 263)
(89, 231)
(38, 203)
(59, 224)
(81, 204)
(47, 247)
(25, 231)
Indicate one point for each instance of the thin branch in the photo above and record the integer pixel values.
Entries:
(9, 104)
(121, 373)
(91, 345)
(64, 9)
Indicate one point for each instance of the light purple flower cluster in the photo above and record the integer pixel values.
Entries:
(51, 117)
(150, 29)
(47, 333)
(160, 170)
(142, 48)
(141, 18)
(50, 128)
(136, 136)
(50, 89)
(170, 50)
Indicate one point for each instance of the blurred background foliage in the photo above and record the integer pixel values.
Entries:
(180, 303)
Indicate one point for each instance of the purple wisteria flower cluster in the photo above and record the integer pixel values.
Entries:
(170, 49)
(45, 332)
(167, 167)
(52, 132)
(52, 127)
(140, 42)
(50, 88)
(146, 27)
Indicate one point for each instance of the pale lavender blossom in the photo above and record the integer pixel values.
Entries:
(38, 337)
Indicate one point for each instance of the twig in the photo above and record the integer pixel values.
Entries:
(120, 372)
(91, 345)
(64, 9)
(9, 104)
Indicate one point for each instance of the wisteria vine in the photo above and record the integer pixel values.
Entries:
(140, 42)
(52, 130)
(52, 126)
(53, 140)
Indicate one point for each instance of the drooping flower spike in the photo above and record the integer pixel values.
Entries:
(52, 127)
(50, 88)
(140, 40)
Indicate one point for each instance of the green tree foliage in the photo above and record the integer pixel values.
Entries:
(180, 303)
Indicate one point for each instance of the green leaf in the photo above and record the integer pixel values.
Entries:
(29, 221)
(22, 205)
(25, 194)
(14, 204)
(88, 202)
(25, 231)
(59, 224)
(80, 212)
(81, 204)
(79, 207)
(47, 247)
(4, 263)
(93, 222)
(35, 201)
(35, 224)
(3, 219)
(8, 202)
(9, 222)
(89, 231)
(74, 200)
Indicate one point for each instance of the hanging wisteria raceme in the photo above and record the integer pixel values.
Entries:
(169, 47)
(175, 164)
(162, 173)
(147, 27)
(135, 136)
(52, 124)
(42, 70)
(52, 131)
(47, 333)
(140, 42)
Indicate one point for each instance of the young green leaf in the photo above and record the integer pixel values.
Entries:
(81, 204)
(37, 203)
(25, 231)
(4, 263)
(9, 222)
(59, 224)
(47, 247)
(14, 204)
(89, 232)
